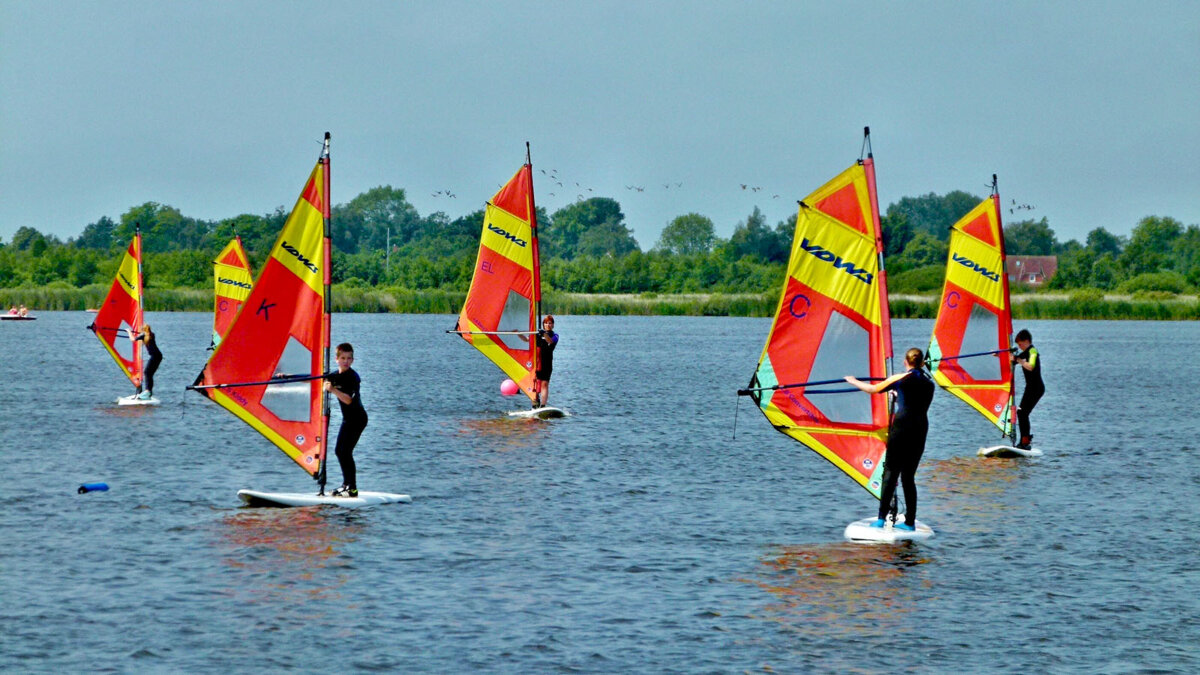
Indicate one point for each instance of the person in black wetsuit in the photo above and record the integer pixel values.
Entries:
(547, 340)
(146, 388)
(906, 439)
(1031, 367)
(344, 384)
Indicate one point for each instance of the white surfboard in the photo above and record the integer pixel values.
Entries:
(283, 499)
(134, 400)
(1009, 451)
(862, 532)
(545, 413)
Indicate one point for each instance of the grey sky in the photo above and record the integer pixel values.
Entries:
(1087, 110)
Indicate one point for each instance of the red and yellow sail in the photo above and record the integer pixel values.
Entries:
(500, 314)
(974, 318)
(119, 318)
(281, 332)
(832, 321)
(232, 282)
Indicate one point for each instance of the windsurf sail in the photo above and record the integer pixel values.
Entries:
(832, 320)
(119, 319)
(969, 350)
(232, 282)
(502, 311)
(268, 368)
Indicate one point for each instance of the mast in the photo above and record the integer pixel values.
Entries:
(139, 314)
(326, 323)
(1012, 392)
(537, 264)
(886, 318)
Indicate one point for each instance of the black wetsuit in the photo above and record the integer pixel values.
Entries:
(155, 359)
(1034, 388)
(354, 420)
(545, 345)
(906, 441)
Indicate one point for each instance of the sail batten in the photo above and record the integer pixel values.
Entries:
(502, 308)
(268, 367)
(832, 321)
(972, 335)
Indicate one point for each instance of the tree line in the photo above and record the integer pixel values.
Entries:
(380, 240)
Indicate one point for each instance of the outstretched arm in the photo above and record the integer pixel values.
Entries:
(874, 387)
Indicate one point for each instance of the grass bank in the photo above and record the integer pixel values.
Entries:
(1079, 305)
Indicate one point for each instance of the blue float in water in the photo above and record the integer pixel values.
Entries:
(93, 487)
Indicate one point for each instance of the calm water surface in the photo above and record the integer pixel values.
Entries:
(638, 535)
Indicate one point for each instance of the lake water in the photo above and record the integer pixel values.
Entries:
(637, 535)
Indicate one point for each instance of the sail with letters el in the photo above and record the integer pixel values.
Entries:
(119, 318)
(832, 320)
(502, 310)
(268, 368)
(969, 349)
(232, 281)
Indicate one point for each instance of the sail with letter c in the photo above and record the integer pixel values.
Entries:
(969, 349)
(268, 368)
(232, 281)
(832, 320)
(119, 319)
(501, 313)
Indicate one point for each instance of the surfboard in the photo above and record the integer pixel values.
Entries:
(862, 532)
(545, 413)
(15, 317)
(134, 400)
(1009, 451)
(286, 499)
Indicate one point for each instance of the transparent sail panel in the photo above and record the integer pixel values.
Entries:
(123, 344)
(514, 317)
(290, 401)
(980, 336)
(844, 350)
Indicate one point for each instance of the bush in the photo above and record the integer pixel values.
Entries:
(921, 280)
(1155, 281)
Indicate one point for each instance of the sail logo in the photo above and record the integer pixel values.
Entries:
(127, 282)
(972, 265)
(299, 257)
(234, 282)
(511, 237)
(825, 255)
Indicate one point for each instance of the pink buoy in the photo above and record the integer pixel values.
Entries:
(509, 388)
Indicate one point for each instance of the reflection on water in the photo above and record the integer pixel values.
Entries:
(972, 488)
(287, 556)
(843, 590)
(503, 434)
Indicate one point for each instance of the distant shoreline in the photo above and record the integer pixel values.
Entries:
(1088, 304)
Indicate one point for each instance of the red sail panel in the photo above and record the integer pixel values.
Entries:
(831, 321)
(499, 315)
(119, 318)
(281, 332)
(973, 328)
(232, 282)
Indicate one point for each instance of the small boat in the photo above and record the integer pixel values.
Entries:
(502, 312)
(969, 351)
(832, 320)
(268, 367)
(17, 317)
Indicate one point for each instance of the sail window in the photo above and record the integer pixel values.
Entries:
(290, 401)
(844, 350)
(122, 344)
(980, 336)
(515, 317)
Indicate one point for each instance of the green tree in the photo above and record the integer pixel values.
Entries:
(924, 250)
(1101, 241)
(752, 237)
(366, 223)
(97, 235)
(686, 234)
(563, 235)
(26, 237)
(932, 213)
(897, 232)
(1150, 245)
(1029, 237)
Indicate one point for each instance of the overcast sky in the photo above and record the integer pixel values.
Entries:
(1088, 111)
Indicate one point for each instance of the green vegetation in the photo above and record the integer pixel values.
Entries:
(389, 258)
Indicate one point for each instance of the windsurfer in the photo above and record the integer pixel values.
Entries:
(547, 340)
(146, 389)
(1031, 367)
(344, 384)
(906, 440)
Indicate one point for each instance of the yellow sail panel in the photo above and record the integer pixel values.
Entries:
(300, 247)
(836, 261)
(508, 236)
